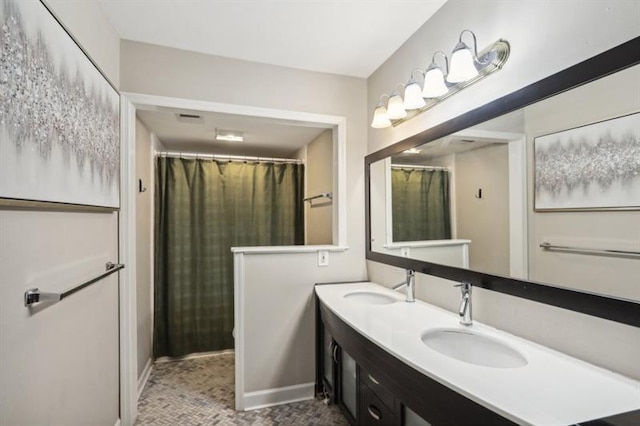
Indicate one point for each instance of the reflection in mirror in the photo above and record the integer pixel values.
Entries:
(441, 199)
(467, 199)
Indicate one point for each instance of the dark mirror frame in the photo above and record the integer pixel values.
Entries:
(615, 309)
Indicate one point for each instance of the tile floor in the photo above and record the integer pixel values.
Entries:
(200, 391)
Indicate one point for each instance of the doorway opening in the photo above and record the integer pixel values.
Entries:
(163, 131)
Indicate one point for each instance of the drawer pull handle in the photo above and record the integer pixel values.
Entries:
(374, 412)
(335, 353)
(373, 380)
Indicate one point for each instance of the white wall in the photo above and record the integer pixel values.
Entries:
(144, 248)
(79, 337)
(545, 37)
(285, 279)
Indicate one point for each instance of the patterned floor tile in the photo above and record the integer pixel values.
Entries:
(200, 392)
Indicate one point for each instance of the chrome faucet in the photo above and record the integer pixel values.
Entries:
(465, 304)
(411, 286)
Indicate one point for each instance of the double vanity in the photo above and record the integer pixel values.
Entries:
(389, 361)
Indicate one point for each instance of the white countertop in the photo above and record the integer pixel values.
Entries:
(553, 388)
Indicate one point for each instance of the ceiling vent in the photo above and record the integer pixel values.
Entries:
(190, 118)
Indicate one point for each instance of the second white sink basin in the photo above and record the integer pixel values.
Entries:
(474, 348)
(369, 298)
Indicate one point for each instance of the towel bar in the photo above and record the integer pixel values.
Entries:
(34, 295)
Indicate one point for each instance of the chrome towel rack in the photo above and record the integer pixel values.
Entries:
(328, 195)
(610, 252)
(34, 295)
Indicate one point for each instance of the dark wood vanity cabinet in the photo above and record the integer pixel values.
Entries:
(373, 388)
(378, 406)
(373, 411)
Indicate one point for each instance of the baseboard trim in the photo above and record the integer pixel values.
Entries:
(278, 396)
(142, 380)
(194, 356)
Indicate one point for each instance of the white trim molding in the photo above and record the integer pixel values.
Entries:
(127, 287)
(142, 381)
(518, 210)
(427, 243)
(278, 396)
(338, 123)
(238, 314)
(286, 249)
(129, 103)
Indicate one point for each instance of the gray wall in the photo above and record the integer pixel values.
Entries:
(484, 221)
(319, 166)
(617, 276)
(90, 26)
(144, 248)
(76, 341)
(285, 279)
(545, 38)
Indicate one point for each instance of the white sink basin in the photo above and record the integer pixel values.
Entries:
(369, 298)
(474, 348)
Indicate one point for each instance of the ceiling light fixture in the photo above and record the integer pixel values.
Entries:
(395, 107)
(463, 60)
(434, 85)
(467, 67)
(412, 151)
(229, 135)
(380, 117)
(413, 93)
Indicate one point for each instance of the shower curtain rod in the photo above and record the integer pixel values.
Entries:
(227, 157)
(411, 166)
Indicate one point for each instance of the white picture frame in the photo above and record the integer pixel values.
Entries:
(60, 119)
(592, 167)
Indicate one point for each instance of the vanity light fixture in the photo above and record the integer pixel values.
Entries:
(229, 135)
(413, 93)
(463, 60)
(434, 85)
(380, 117)
(395, 107)
(467, 67)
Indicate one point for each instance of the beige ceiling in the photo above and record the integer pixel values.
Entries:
(262, 136)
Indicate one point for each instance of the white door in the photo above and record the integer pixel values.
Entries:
(59, 361)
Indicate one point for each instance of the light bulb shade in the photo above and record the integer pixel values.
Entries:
(462, 66)
(434, 85)
(380, 118)
(395, 110)
(413, 96)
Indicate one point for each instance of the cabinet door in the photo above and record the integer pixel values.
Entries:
(373, 412)
(348, 384)
(410, 418)
(328, 348)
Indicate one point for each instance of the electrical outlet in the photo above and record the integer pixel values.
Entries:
(323, 258)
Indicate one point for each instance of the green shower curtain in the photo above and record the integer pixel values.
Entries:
(203, 208)
(420, 204)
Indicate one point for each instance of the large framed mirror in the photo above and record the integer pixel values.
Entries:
(536, 194)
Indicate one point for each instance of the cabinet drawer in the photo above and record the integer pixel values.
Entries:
(372, 411)
(381, 392)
